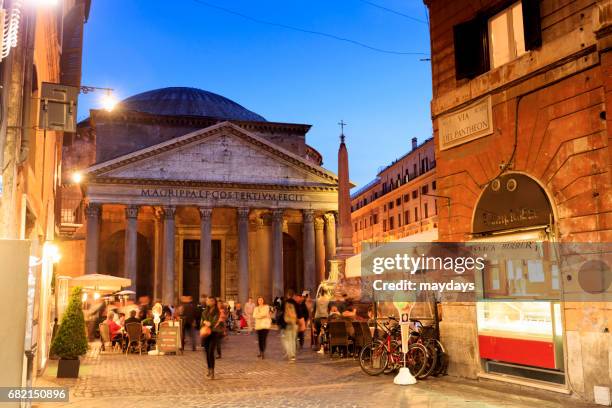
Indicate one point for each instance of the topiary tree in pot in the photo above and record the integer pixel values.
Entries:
(70, 341)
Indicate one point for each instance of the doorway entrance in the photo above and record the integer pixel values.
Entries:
(289, 263)
(520, 326)
(191, 268)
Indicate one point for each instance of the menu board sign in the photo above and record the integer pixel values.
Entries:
(168, 339)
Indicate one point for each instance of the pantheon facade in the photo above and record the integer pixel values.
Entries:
(188, 193)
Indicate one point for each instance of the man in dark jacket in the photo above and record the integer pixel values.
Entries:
(189, 318)
(132, 318)
(303, 316)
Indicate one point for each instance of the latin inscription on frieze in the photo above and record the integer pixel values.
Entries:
(219, 195)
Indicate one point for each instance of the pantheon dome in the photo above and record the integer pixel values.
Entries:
(185, 101)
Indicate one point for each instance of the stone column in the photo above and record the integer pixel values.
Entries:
(205, 251)
(330, 236)
(158, 267)
(168, 288)
(309, 251)
(319, 250)
(263, 243)
(243, 254)
(278, 285)
(130, 256)
(93, 212)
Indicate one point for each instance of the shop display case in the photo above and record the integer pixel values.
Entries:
(521, 332)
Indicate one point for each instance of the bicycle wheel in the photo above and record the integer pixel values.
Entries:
(395, 357)
(441, 359)
(432, 359)
(373, 358)
(416, 359)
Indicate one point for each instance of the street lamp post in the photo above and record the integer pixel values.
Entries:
(108, 99)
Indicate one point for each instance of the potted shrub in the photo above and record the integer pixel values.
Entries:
(70, 341)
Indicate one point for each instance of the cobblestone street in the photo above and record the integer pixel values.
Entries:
(243, 380)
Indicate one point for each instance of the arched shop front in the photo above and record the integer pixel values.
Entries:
(519, 317)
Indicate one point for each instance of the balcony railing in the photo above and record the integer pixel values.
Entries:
(71, 211)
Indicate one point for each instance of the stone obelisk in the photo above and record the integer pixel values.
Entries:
(344, 249)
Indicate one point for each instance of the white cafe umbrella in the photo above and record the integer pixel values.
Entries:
(125, 292)
(101, 282)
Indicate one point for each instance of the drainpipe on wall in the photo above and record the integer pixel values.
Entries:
(26, 118)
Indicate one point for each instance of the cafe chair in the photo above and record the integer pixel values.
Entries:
(338, 336)
(105, 338)
(134, 335)
(359, 338)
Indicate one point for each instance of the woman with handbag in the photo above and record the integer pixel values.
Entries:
(210, 332)
(263, 321)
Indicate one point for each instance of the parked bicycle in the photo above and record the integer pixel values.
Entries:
(437, 361)
(385, 354)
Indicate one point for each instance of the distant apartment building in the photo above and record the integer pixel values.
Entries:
(400, 204)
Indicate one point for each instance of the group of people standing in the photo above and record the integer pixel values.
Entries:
(212, 328)
(291, 314)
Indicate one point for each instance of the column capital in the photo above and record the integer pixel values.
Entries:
(329, 218)
(243, 213)
(93, 210)
(277, 215)
(131, 211)
(308, 216)
(319, 224)
(169, 211)
(205, 212)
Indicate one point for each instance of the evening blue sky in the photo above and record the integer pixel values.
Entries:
(285, 76)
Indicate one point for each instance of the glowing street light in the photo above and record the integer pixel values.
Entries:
(108, 101)
(77, 177)
(51, 252)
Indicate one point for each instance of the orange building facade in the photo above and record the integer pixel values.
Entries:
(48, 48)
(521, 91)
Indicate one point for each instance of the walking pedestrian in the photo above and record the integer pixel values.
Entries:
(263, 321)
(302, 318)
(321, 312)
(188, 314)
(289, 320)
(249, 307)
(210, 319)
(278, 304)
(223, 317)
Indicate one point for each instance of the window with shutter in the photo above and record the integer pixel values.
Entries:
(471, 53)
(532, 28)
(496, 36)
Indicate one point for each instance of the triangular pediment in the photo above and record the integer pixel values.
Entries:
(224, 153)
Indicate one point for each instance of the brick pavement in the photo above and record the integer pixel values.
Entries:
(245, 381)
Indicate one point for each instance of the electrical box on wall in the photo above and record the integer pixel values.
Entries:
(58, 107)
